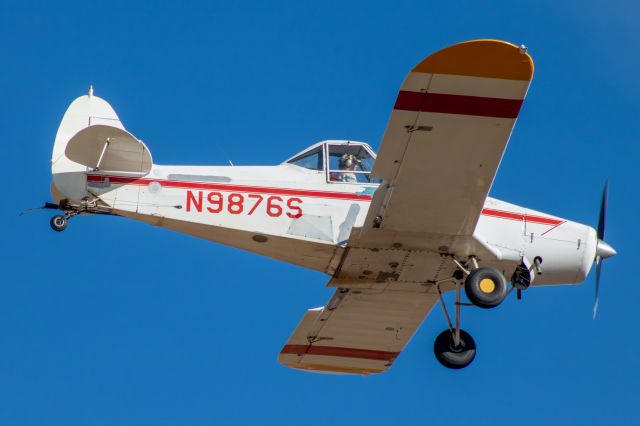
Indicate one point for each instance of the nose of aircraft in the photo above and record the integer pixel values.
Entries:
(604, 250)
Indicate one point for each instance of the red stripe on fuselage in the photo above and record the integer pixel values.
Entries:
(295, 192)
(458, 104)
(518, 216)
(230, 187)
(339, 351)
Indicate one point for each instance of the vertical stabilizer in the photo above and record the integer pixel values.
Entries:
(69, 180)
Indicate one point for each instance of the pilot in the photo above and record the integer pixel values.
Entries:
(349, 162)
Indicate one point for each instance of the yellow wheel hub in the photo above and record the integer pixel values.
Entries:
(487, 285)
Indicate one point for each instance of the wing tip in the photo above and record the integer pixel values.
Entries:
(480, 58)
(336, 360)
(329, 369)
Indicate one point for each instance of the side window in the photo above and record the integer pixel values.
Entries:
(309, 160)
(350, 164)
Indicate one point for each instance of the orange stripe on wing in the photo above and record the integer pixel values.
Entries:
(480, 58)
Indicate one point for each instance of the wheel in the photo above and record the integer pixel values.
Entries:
(58, 223)
(452, 356)
(486, 287)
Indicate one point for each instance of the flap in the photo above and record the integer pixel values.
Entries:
(102, 147)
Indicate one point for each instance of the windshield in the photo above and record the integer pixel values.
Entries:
(311, 160)
(350, 164)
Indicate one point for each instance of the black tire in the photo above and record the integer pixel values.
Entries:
(486, 287)
(58, 223)
(452, 356)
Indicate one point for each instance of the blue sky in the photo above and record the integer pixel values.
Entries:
(117, 322)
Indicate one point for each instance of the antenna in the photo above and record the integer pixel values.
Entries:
(47, 205)
(90, 90)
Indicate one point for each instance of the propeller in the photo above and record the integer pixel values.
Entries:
(603, 250)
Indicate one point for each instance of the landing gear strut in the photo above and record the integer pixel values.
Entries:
(485, 287)
(454, 348)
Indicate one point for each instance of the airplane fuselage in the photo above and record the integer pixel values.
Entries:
(298, 216)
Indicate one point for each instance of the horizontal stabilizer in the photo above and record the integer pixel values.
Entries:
(102, 147)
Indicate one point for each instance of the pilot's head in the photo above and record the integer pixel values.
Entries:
(347, 160)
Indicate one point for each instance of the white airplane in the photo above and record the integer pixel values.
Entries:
(393, 232)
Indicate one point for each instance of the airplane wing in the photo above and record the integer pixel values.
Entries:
(360, 330)
(444, 141)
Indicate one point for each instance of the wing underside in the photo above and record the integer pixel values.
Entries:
(444, 141)
(360, 331)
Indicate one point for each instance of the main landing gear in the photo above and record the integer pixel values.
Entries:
(452, 354)
(486, 288)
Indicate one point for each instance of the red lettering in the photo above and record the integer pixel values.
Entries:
(192, 199)
(275, 205)
(215, 199)
(235, 203)
(274, 210)
(255, 206)
(294, 211)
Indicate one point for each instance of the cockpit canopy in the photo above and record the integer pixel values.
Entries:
(343, 161)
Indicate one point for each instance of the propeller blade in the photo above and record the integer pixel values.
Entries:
(603, 250)
(595, 300)
(603, 211)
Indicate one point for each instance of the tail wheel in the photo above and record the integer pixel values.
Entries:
(486, 287)
(451, 355)
(58, 223)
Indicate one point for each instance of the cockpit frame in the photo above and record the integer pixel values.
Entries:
(353, 161)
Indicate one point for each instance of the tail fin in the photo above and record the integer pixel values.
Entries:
(77, 147)
(69, 180)
(85, 111)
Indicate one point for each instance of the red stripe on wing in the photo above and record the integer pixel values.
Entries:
(458, 104)
(339, 351)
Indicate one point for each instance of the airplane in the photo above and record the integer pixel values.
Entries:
(394, 231)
